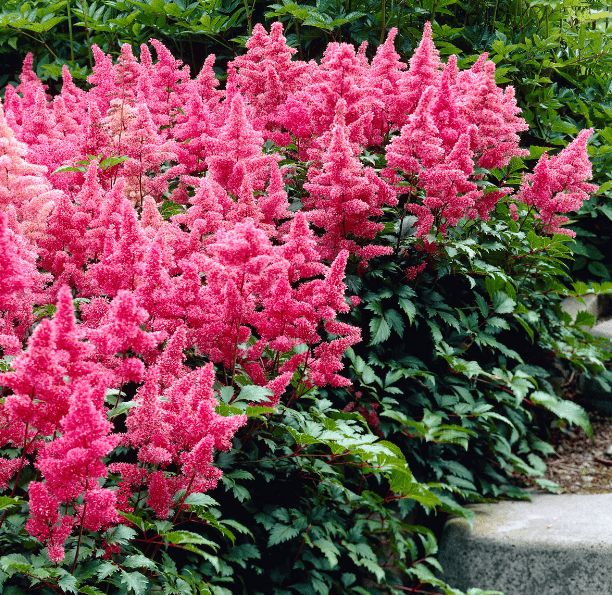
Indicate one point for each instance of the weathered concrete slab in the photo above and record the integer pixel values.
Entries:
(553, 545)
(602, 329)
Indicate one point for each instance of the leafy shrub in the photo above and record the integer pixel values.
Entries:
(204, 238)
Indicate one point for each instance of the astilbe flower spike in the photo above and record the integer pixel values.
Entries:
(425, 70)
(558, 185)
(343, 198)
(43, 375)
(493, 112)
(238, 144)
(118, 331)
(71, 465)
(20, 284)
(267, 75)
(23, 185)
(29, 86)
(386, 74)
(418, 145)
(183, 429)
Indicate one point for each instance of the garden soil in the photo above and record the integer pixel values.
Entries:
(580, 464)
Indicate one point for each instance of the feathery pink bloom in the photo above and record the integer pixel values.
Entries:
(20, 284)
(182, 428)
(558, 184)
(71, 465)
(45, 522)
(45, 373)
(493, 112)
(267, 75)
(425, 70)
(238, 144)
(344, 197)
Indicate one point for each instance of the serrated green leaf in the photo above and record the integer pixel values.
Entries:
(395, 321)
(106, 569)
(564, 409)
(254, 394)
(329, 549)
(6, 502)
(136, 582)
(89, 590)
(139, 561)
(183, 537)
(112, 161)
(408, 307)
(121, 534)
(379, 330)
(67, 581)
(368, 375)
(197, 499)
(502, 303)
(281, 533)
(482, 304)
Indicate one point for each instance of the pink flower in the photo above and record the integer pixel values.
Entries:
(558, 184)
(20, 283)
(181, 429)
(344, 198)
(45, 523)
(72, 463)
(425, 70)
(237, 143)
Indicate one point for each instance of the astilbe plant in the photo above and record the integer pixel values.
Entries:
(203, 237)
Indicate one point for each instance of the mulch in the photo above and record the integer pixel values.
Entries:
(579, 464)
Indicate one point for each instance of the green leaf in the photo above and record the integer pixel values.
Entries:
(169, 208)
(396, 321)
(89, 590)
(561, 126)
(67, 582)
(197, 499)
(16, 562)
(368, 375)
(329, 549)
(564, 409)
(183, 537)
(536, 152)
(43, 27)
(6, 502)
(139, 561)
(502, 303)
(172, 10)
(64, 168)
(254, 394)
(599, 269)
(584, 318)
(281, 533)
(408, 307)
(112, 161)
(214, 560)
(106, 569)
(136, 582)
(379, 330)
(482, 304)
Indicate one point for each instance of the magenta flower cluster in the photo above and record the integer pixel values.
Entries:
(237, 277)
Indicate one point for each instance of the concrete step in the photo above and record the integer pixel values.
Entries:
(591, 305)
(557, 544)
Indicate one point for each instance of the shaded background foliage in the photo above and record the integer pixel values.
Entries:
(479, 359)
